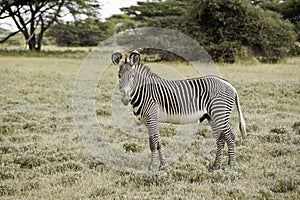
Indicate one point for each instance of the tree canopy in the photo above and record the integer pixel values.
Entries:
(226, 29)
(90, 31)
(33, 17)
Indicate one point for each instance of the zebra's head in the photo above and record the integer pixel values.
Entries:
(126, 73)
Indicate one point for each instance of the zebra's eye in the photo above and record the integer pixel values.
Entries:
(119, 76)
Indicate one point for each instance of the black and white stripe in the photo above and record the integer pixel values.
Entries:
(155, 99)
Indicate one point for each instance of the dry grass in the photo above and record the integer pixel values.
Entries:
(42, 156)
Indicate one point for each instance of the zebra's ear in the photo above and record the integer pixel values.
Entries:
(135, 57)
(116, 57)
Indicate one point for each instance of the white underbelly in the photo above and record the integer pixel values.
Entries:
(180, 119)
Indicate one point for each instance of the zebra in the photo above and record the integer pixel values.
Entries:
(155, 99)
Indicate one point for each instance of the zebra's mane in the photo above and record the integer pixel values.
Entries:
(146, 71)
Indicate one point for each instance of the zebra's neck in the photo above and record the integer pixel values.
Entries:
(143, 78)
(143, 75)
(144, 71)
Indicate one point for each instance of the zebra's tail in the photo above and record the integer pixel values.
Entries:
(242, 121)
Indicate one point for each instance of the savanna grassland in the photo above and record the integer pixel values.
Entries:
(42, 156)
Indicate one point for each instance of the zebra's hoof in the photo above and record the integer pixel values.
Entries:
(151, 167)
(213, 168)
(231, 163)
(162, 166)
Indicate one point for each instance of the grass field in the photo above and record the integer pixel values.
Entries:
(42, 156)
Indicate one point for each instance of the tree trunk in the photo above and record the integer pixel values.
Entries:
(35, 43)
(39, 41)
(31, 43)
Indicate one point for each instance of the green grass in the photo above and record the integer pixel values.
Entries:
(54, 53)
(42, 156)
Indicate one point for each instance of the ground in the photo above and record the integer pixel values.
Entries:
(43, 157)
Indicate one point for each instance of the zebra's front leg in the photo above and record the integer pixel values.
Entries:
(155, 144)
(153, 148)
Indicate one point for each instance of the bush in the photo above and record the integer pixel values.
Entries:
(228, 26)
(227, 29)
(278, 130)
(296, 127)
(6, 189)
(132, 147)
(87, 32)
(286, 184)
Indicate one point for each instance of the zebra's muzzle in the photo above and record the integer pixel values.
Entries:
(126, 97)
(125, 101)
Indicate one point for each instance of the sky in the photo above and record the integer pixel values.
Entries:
(108, 8)
(112, 7)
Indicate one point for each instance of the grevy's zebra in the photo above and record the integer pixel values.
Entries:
(155, 99)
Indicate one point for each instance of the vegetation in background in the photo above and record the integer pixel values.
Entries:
(237, 28)
(226, 29)
(33, 17)
(89, 32)
(289, 10)
(229, 30)
(54, 53)
(86, 32)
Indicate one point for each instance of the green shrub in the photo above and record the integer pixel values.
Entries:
(101, 193)
(167, 130)
(29, 161)
(132, 147)
(7, 189)
(103, 112)
(279, 131)
(6, 129)
(31, 185)
(296, 127)
(57, 54)
(286, 184)
(70, 179)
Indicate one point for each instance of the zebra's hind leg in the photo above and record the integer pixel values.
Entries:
(161, 154)
(220, 146)
(230, 140)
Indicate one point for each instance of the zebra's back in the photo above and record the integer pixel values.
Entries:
(186, 101)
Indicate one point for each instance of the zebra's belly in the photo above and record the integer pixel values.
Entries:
(180, 119)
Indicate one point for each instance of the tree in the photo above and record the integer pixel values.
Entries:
(87, 32)
(235, 25)
(33, 17)
(165, 14)
(227, 29)
(120, 22)
(289, 10)
(158, 13)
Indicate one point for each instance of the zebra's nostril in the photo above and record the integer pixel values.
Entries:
(125, 101)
